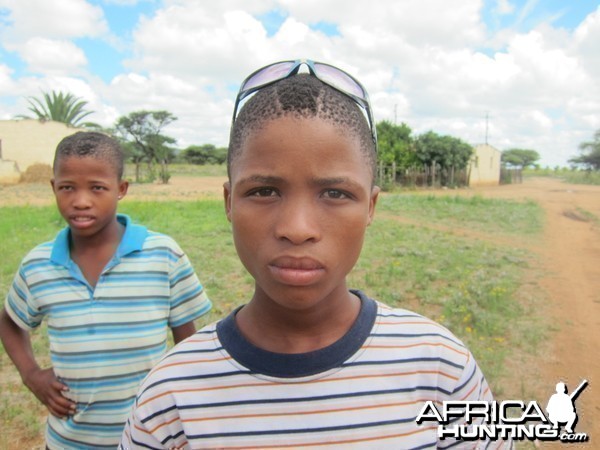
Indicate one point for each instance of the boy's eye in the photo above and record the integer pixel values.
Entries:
(98, 188)
(335, 194)
(263, 192)
(65, 188)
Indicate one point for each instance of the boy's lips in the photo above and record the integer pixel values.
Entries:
(296, 271)
(81, 220)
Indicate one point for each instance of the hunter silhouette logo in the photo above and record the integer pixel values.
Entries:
(561, 406)
(508, 420)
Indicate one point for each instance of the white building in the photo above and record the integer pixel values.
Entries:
(27, 142)
(484, 168)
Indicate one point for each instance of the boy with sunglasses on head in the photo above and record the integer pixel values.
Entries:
(110, 290)
(306, 362)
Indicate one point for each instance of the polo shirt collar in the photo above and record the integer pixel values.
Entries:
(132, 240)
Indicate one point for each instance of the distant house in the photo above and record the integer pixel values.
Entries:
(484, 168)
(27, 142)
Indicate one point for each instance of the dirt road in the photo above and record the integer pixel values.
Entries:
(570, 258)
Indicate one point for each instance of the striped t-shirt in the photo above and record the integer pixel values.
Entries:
(217, 390)
(104, 340)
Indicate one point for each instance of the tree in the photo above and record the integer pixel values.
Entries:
(519, 157)
(143, 130)
(395, 145)
(590, 156)
(60, 107)
(447, 152)
(204, 154)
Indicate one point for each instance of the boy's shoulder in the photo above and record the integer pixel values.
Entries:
(41, 252)
(413, 326)
(155, 239)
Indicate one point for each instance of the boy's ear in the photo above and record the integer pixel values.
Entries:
(227, 199)
(52, 184)
(123, 187)
(373, 202)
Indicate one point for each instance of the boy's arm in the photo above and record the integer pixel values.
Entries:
(42, 382)
(183, 331)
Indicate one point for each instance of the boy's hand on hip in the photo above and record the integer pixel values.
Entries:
(46, 387)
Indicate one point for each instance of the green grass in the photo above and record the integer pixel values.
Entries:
(469, 285)
(568, 175)
(582, 177)
(478, 213)
(588, 216)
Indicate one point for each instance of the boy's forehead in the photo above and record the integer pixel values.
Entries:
(99, 162)
(300, 145)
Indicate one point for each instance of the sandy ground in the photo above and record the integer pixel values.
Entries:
(179, 188)
(568, 254)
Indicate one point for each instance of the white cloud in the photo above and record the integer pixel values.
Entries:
(53, 19)
(191, 41)
(587, 37)
(433, 64)
(199, 112)
(7, 84)
(49, 56)
(39, 32)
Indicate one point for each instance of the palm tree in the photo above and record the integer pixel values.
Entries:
(60, 107)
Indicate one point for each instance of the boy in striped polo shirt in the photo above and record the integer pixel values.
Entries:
(306, 362)
(110, 291)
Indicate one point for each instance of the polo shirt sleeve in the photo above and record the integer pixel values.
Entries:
(21, 305)
(188, 300)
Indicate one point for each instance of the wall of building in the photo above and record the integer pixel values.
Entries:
(27, 142)
(484, 169)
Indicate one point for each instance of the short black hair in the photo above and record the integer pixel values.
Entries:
(302, 96)
(94, 145)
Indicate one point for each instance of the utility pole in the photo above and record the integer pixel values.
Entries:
(486, 126)
(396, 114)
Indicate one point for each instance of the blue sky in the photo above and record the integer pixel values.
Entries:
(436, 65)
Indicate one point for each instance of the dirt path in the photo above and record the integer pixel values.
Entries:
(570, 260)
(179, 188)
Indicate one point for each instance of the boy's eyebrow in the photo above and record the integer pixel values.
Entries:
(266, 179)
(332, 181)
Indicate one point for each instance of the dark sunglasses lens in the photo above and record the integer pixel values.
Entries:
(340, 80)
(268, 74)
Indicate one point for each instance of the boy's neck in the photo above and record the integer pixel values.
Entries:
(275, 329)
(109, 237)
(92, 253)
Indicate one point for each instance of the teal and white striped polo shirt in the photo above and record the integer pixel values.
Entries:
(104, 340)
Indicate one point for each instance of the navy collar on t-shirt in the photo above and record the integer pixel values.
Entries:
(294, 365)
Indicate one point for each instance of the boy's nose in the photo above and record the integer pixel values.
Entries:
(298, 222)
(82, 201)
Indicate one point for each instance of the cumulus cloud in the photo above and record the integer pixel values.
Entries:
(55, 19)
(434, 64)
(52, 57)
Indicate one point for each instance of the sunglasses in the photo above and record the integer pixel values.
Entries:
(338, 79)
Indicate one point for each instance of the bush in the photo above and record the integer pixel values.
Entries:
(37, 173)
